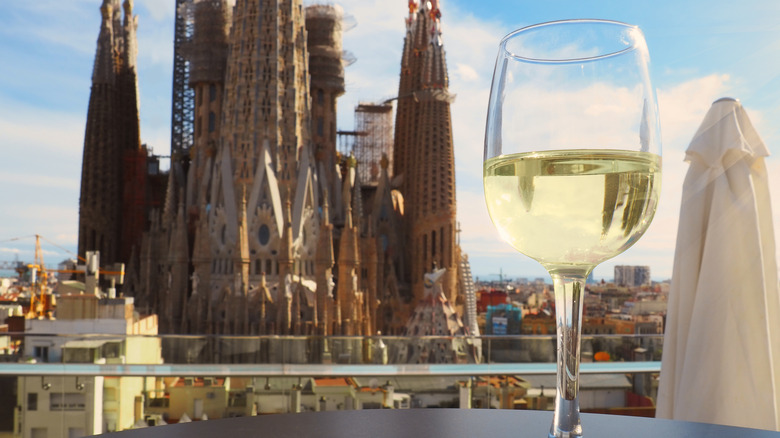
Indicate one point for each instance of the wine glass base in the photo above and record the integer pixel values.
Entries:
(567, 426)
(576, 433)
(562, 434)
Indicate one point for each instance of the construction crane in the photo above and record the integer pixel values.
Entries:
(41, 299)
(92, 272)
(500, 275)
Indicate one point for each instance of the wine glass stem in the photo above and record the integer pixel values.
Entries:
(569, 296)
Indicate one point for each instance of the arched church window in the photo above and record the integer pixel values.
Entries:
(264, 234)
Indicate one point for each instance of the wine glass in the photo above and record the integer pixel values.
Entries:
(572, 164)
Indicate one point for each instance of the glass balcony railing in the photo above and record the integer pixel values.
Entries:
(46, 379)
(486, 354)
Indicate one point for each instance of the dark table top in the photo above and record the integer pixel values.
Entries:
(431, 423)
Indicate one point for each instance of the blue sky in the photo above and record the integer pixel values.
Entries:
(700, 51)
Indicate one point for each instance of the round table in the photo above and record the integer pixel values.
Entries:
(430, 423)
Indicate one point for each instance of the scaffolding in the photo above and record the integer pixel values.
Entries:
(376, 122)
(183, 101)
(324, 28)
(347, 141)
(207, 49)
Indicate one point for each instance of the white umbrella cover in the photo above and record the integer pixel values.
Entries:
(721, 356)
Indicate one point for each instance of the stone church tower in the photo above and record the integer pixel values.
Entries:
(112, 201)
(423, 155)
(259, 193)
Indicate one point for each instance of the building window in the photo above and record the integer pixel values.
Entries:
(41, 353)
(212, 93)
(76, 432)
(32, 401)
(212, 121)
(68, 401)
(320, 126)
(425, 252)
(441, 247)
(320, 97)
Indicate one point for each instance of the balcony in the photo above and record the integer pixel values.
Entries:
(169, 378)
(209, 355)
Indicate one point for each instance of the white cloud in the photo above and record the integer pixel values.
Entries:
(465, 73)
(56, 224)
(376, 42)
(157, 10)
(683, 106)
(45, 22)
(155, 44)
(22, 132)
(38, 181)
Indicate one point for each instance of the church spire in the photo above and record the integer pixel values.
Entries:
(323, 271)
(103, 68)
(286, 263)
(242, 264)
(112, 201)
(423, 154)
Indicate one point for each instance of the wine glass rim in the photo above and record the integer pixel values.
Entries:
(631, 47)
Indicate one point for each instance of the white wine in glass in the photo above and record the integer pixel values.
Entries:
(572, 164)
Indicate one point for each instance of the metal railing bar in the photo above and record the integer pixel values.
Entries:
(315, 370)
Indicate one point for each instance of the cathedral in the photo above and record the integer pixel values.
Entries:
(261, 226)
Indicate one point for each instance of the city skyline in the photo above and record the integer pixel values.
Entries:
(700, 52)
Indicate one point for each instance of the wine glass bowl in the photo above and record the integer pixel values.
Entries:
(572, 163)
(571, 209)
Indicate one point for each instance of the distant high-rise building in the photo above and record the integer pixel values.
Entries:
(632, 275)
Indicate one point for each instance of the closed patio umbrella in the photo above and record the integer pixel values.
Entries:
(721, 355)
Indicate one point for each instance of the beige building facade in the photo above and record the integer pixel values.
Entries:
(70, 406)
